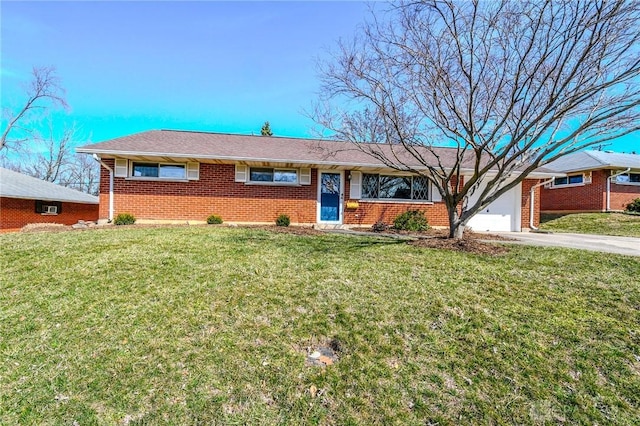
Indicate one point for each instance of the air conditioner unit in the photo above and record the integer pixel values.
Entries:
(51, 209)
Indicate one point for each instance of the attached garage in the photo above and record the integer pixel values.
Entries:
(503, 215)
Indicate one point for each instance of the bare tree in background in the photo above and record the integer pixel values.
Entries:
(52, 158)
(44, 91)
(49, 156)
(50, 163)
(82, 174)
(511, 85)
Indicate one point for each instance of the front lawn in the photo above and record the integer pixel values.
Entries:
(208, 325)
(620, 224)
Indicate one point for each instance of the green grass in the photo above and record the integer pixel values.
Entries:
(620, 224)
(203, 325)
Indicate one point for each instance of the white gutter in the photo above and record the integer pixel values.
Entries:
(532, 202)
(609, 186)
(99, 160)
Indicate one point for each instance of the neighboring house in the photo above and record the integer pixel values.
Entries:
(182, 175)
(25, 199)
(595, 181)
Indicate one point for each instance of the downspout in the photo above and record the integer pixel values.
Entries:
(532, 202)
(609, 186)
(99, 160)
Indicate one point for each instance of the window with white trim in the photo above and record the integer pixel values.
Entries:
(630, 178)
(388, 187)
(569, 180)
(48, 207)
(271, 175)
(159, 170)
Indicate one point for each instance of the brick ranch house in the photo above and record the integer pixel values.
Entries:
(182, 175)
(25, 199)
(595, 181)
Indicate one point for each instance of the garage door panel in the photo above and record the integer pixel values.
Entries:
(503, 215)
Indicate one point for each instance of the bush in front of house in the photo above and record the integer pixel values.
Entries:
(411, 220)
(634, 206)
(124, 219)
(379, 226)
(283, 220)
(214, 219)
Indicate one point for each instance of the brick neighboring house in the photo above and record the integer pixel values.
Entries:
(595, 181)
(25, 199)
(181, 175)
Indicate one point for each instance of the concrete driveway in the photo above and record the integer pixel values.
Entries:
(603, 243)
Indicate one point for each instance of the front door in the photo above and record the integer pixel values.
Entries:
(330, 191)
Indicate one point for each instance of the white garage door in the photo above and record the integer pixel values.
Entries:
(502, 215)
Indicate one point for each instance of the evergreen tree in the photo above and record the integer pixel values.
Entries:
(266, 129)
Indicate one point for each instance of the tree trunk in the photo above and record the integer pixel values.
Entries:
(456, 226)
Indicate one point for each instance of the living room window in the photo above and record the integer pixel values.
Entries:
(376, 186)
(159, 170)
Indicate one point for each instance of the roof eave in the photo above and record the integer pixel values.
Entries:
(59, 199)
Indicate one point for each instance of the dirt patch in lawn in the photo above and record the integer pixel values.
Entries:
(295, 230)
(468, 244)
(472, 242)
(45, 227)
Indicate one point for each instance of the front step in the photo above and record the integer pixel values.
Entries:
(328, 226)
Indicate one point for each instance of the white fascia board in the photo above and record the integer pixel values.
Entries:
(60, 199)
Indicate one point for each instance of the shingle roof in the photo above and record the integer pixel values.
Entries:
(18, 185)
(229, 147)
(593, 160)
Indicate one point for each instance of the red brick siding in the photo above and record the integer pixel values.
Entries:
(588, 197)
(621, 195)
(526, 204)
(370, 212)
(216, 192)
(16, 213)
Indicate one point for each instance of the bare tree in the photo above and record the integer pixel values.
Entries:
(52, 158)
(509, 85)
(43, 91)
(83, 174)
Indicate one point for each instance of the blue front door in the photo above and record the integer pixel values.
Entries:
(330, 197)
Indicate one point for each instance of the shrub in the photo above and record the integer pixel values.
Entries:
(411, 220)
(214, 219)
(124, 219)
(634, 206)
(283, 220)
(379, 226)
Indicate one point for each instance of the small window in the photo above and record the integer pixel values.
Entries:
(568, 180)
(158, 170)
(48, 207)
(264, 174)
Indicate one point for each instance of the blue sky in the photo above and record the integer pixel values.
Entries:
(214, 66)
(211, 66)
